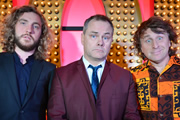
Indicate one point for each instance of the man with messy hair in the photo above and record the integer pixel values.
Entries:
(158, 79)
(24, 74)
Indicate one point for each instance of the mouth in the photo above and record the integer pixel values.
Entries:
(27, 37)
(156, 52)
(98, 50)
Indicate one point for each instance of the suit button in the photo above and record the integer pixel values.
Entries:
(22, 111)
(98, 103)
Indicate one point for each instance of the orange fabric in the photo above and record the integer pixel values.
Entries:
(154, 104)
(165, 88)
(142, 74)
(176, 118)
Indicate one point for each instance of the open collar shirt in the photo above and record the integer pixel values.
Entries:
(23, 74)
(159, 94)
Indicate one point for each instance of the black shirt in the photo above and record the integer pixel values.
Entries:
(23, 72)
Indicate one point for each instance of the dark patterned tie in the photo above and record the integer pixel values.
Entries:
(95, 81)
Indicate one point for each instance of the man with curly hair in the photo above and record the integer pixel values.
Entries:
(158, 79)
(24, 74)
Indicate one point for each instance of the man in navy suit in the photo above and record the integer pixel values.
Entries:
(79, 93)
(24, 74)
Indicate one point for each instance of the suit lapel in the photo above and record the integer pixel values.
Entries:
(34, 77)
(10, 68)
(104, 75)
(85, 80)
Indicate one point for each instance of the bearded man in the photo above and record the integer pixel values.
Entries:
(24, 74)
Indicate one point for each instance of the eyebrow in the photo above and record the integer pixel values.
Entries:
(27, 21)
(22, 20)
(107, 33)
(97, 33)
(94, 32)
(145, 36)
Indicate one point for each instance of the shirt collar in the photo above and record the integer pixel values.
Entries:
(30, 59)
(87, 63)
(173, 60)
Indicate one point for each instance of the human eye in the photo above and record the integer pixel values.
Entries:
(93, 36)
(148, 40)
(159, 38)
(22, 22)
(106, 38)
(36, 26)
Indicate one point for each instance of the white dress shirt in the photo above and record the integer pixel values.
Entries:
(90, 71)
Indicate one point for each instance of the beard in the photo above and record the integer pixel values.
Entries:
(26, 48)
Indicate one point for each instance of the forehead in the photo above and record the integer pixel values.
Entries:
(99, 26)
(31, 17)
(152, 32)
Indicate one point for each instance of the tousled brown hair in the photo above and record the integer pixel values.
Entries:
(157, 25)
(7, 34)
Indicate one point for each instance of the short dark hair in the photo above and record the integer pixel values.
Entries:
(7, 33)
(97, 17)
(157, 25)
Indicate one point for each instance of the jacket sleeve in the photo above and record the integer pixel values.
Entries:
(131, 112)
(50, 81)
(56, 106)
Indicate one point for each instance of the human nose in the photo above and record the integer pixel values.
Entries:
(155, 44)
(100, 41)
(29, 29)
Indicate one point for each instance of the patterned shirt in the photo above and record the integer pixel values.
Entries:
(159, 94)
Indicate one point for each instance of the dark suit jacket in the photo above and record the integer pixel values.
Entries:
(35, 103)
(71, 97)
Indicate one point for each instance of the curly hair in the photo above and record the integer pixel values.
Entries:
(7, 33)
(154, 23)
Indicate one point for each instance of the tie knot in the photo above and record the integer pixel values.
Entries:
(95, 68)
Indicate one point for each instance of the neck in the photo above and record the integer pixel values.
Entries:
(23, 55)
(94, 62)
(160, 65)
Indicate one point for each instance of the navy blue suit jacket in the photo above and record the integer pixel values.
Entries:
(35, 102)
